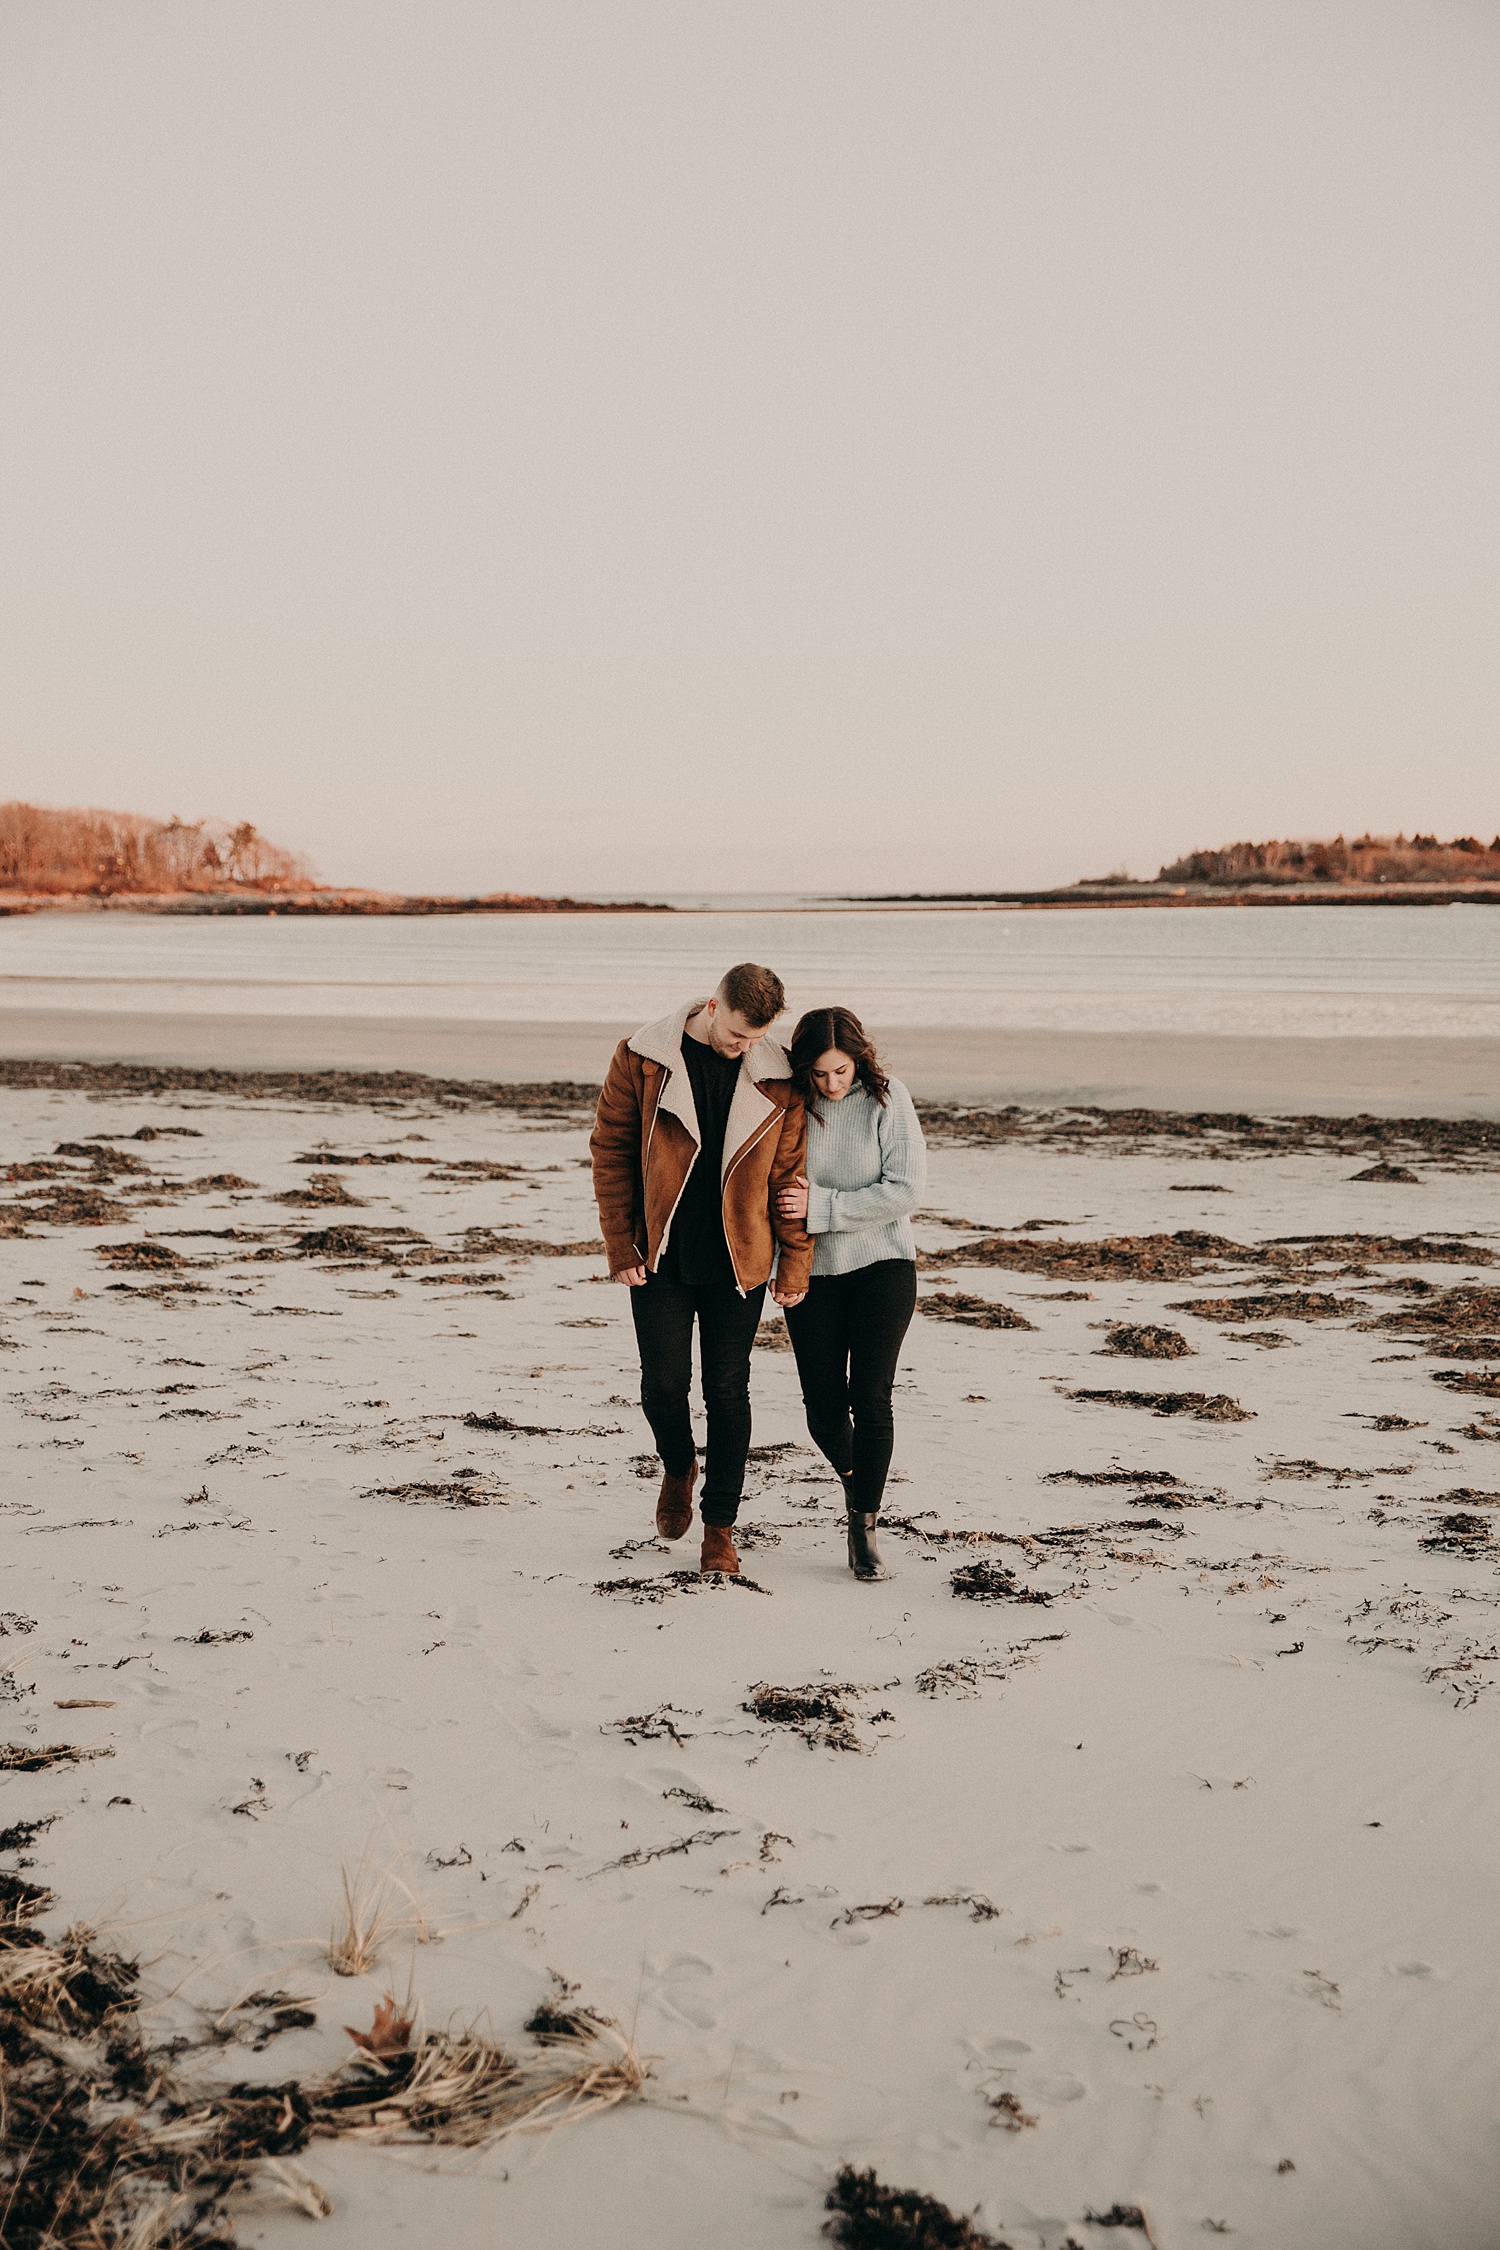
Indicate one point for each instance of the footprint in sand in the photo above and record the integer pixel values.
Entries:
(389, 1777)
(677, 1985)
(1058, 2086)
(1006, 2060)
(998, 2054)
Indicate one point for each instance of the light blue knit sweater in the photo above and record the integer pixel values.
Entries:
(868, 1167)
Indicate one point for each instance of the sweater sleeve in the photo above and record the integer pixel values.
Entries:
(903, 1176)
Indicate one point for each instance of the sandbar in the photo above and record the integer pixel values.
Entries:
(1392, 1077)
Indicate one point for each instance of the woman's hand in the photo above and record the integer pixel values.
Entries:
(792, 1201)
(634, 1277)
(787, 1297)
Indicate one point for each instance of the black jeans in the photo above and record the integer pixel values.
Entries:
(847, 1335)
(664, 1314)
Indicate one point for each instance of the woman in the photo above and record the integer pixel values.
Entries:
(866, 1169)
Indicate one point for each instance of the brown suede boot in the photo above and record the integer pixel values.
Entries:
(674, 1506)
(719, 1550)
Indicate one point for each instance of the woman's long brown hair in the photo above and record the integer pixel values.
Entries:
(816, 1032)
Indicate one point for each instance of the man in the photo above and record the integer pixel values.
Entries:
(698, 1131)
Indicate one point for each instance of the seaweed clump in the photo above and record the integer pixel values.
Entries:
(334, 1242)
(1201, 1406)
(140, 1257)
(1481, 1382)
(1111, 1476)
(817, 1712)
(1281, 1304)
(1123, 1257)
(322, 1187)
(973, 1312)
(1454, 1323)
(1139, 1340)
(67, 1206)
(868, 2215)
(993, 1582)
(1460, 1534)
(464, 1489)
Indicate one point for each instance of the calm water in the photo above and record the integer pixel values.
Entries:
(1290, 970)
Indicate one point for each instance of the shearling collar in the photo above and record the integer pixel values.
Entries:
(661, 1042)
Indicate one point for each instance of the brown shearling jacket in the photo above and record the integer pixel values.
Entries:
(645, 1143)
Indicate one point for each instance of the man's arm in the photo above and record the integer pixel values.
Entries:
(615, 1147)
(794, 1267)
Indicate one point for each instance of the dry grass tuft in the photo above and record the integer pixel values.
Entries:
(31, 1757)
(374, 1910)
(464, 2090)
(106, 2147)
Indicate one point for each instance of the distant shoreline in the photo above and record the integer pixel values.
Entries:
(309, 903)
(372, 905)
(1197, 894)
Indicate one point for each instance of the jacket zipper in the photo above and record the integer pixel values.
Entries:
(681, 1192)
(724, 1189)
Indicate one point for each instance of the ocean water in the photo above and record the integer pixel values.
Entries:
(1290, 971)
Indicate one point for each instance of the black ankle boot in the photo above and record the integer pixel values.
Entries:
(864, 1554)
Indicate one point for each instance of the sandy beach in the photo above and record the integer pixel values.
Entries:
(1161, 1877)
(1386, 1077)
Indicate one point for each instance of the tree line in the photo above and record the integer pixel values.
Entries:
(1365, 859)
(102, 854)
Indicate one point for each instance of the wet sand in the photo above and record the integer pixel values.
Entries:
(1337, 1077)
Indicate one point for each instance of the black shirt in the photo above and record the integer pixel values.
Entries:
(697, 1253)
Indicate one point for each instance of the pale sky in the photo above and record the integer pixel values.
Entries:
(752, 446)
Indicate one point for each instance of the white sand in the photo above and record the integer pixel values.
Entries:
(1303, 1845)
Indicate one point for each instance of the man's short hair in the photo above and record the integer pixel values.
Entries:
(755, 993)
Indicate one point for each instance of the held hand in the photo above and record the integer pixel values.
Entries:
(634, 1277)
(792, 1201)
(788, 1297)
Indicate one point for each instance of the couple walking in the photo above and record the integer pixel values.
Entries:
(723, 1162)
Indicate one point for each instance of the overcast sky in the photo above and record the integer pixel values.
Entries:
(715, 445)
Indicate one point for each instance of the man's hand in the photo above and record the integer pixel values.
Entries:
(634, 1277)
(792, 1201)
(788, 1297)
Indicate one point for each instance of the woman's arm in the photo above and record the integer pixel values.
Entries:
(903, 1176)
